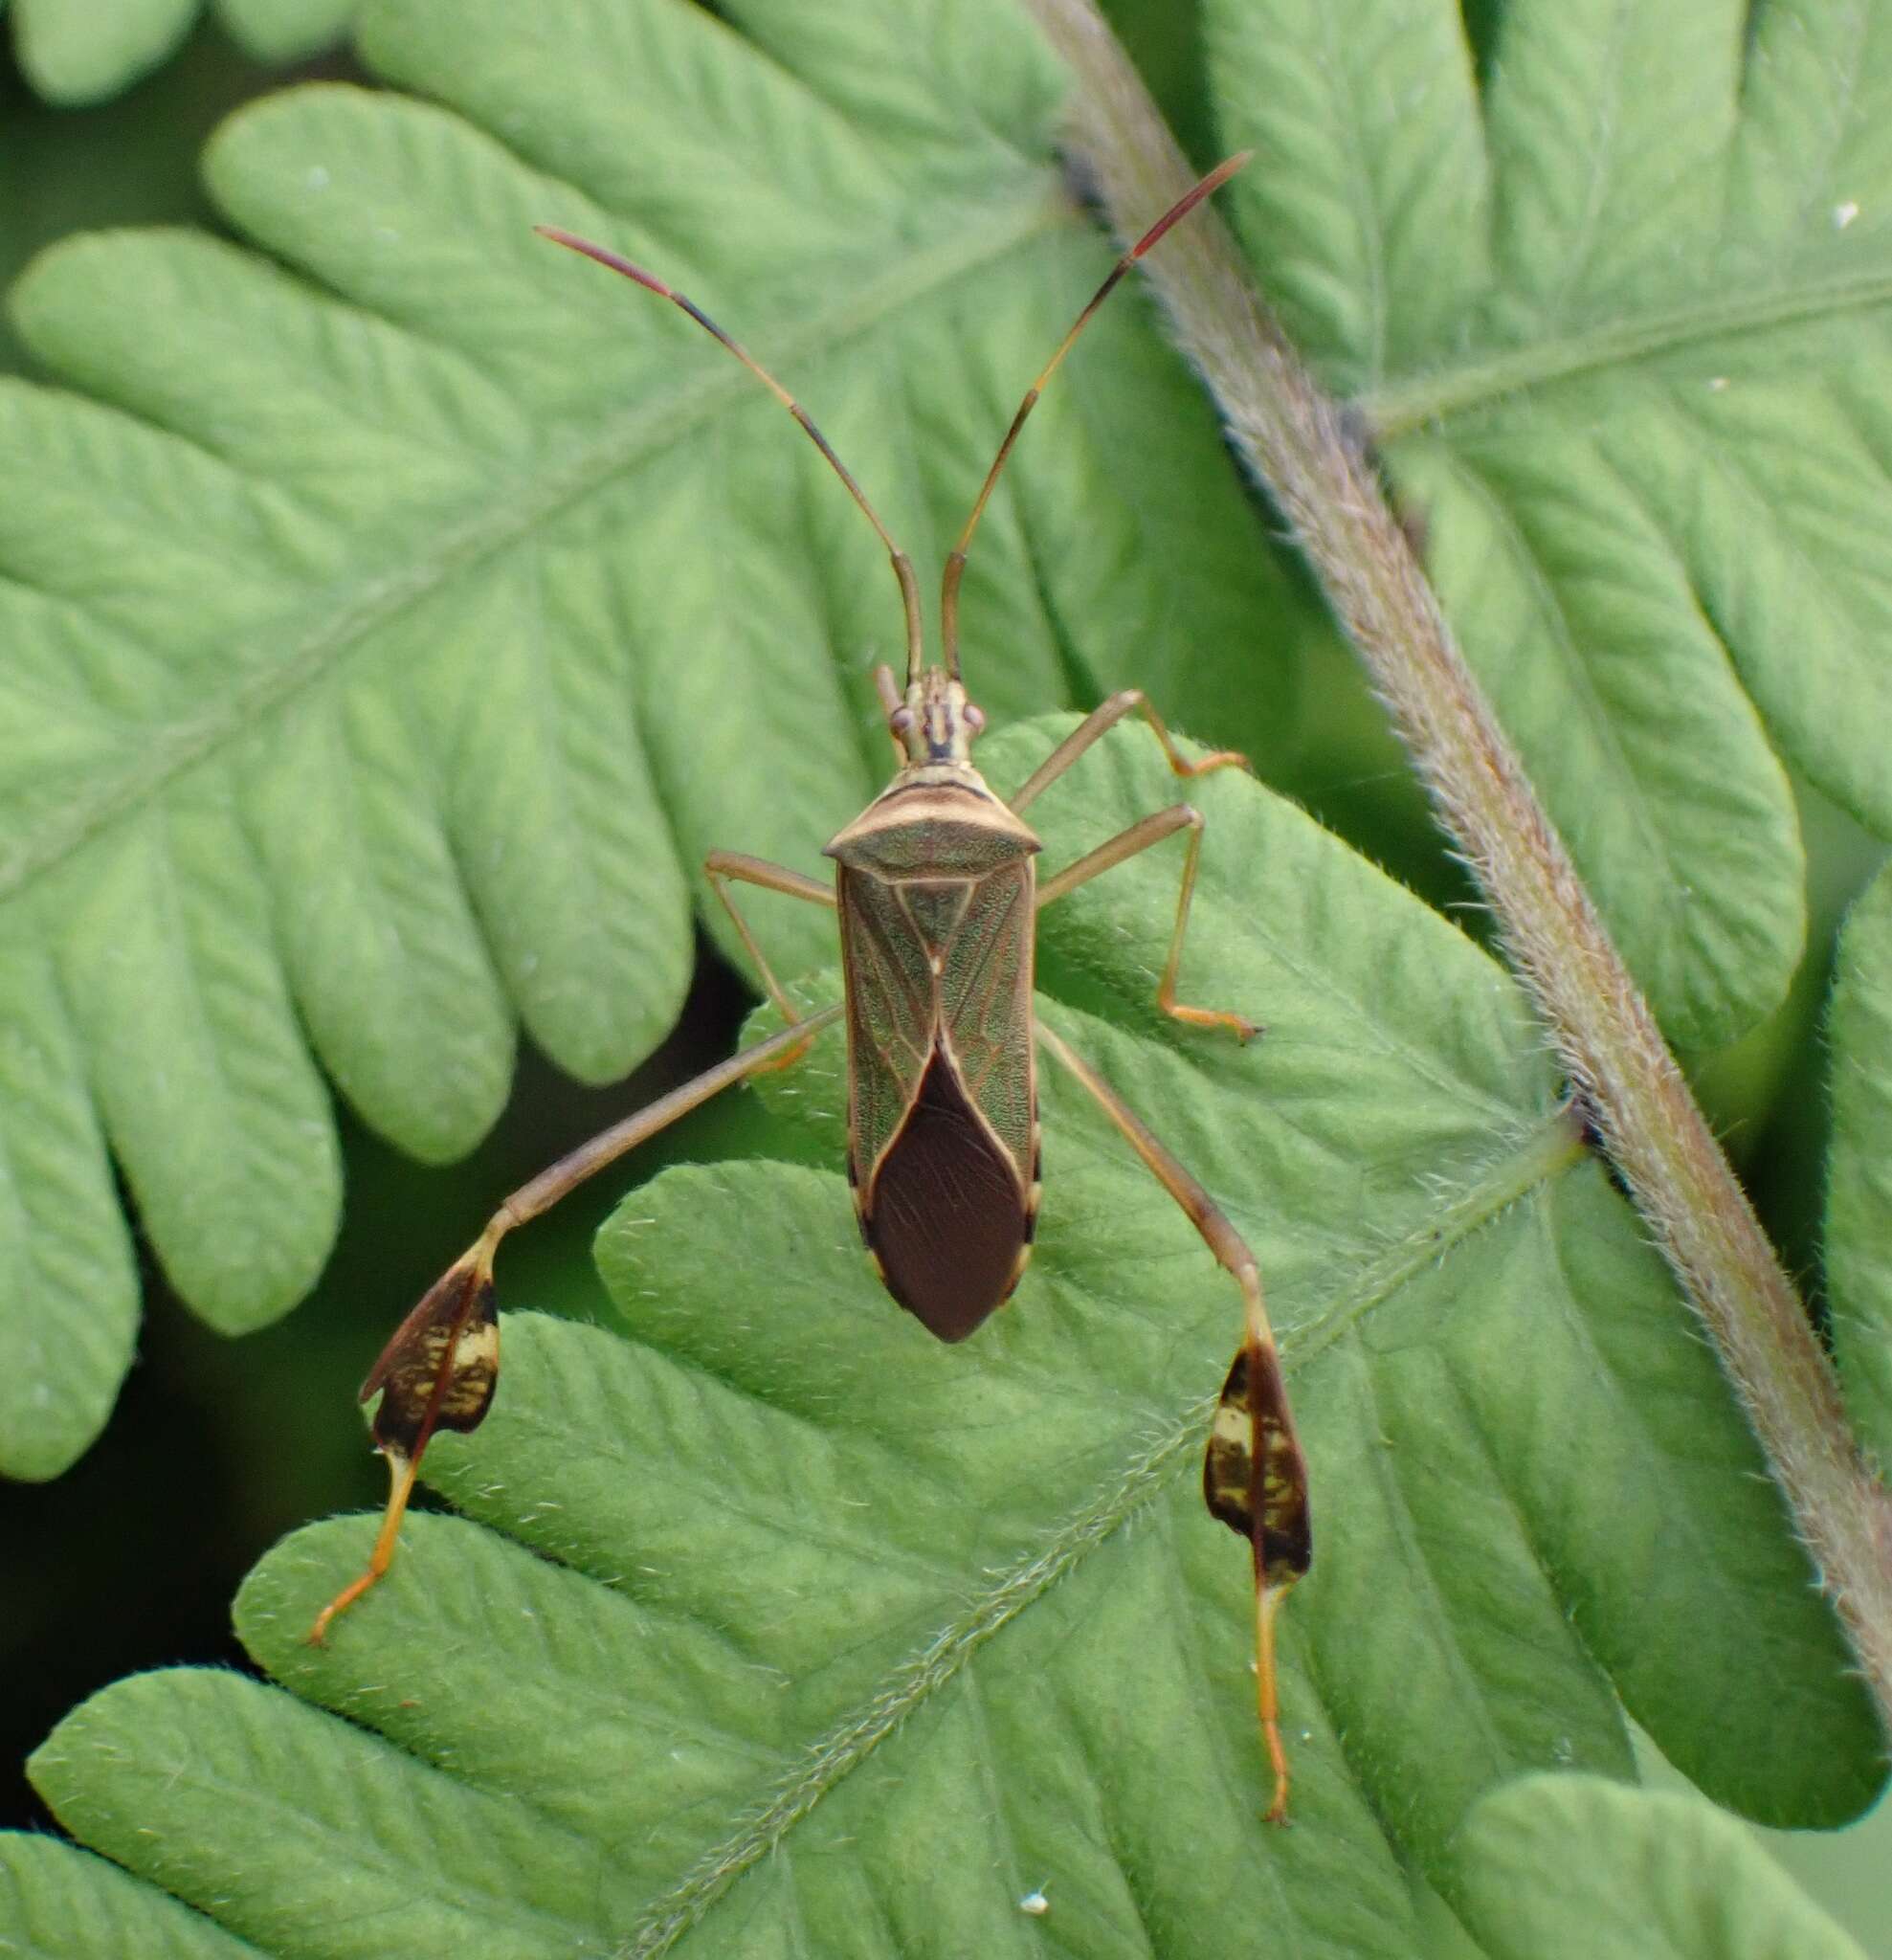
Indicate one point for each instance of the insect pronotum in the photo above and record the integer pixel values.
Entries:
(937, 897)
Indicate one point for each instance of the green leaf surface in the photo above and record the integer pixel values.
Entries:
(1858, 1258)
(1616, 312)
(82, 53)
(807, 1634)
(395, 620)
(1575, 1864)
(56, 1902)
(61, 1238)
(286, 29)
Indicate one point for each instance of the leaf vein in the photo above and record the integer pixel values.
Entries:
(1466, 388)
(849, 1742)
(571, 475)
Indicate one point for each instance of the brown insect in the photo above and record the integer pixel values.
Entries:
(937, 896)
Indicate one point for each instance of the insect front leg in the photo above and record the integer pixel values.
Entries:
(1140, 836)
(1254, 1476)
(442, 1366)
(1098, 723)
(722, 868)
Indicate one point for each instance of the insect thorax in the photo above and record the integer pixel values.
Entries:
(934, 822)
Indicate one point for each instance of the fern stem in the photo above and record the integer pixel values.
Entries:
(1292, 437)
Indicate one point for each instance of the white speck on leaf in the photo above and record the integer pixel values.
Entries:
(1843, 214)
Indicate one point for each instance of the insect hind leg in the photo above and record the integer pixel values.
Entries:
(1254, 1476)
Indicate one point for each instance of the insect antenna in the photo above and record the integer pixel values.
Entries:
(909, 589)
(955, 563)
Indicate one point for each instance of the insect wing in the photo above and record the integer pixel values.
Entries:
(892, 1014)
(985, 994)
(942, 1134)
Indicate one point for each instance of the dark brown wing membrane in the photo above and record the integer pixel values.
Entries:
(947, 1218)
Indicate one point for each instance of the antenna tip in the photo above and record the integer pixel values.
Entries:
(1223, 171)
(605, 257)
(1204, 187)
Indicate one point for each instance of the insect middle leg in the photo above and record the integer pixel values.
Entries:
(1254, 1476)
(1112, 851)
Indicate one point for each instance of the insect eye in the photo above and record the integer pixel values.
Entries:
(900, 720)
(975, 717)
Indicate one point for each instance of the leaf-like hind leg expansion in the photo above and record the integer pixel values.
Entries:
(1140, 836)
(438, 1371)
(442, 1366)
(1253, 1477)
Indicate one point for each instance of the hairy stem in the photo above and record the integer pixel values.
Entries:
(1293, 438)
